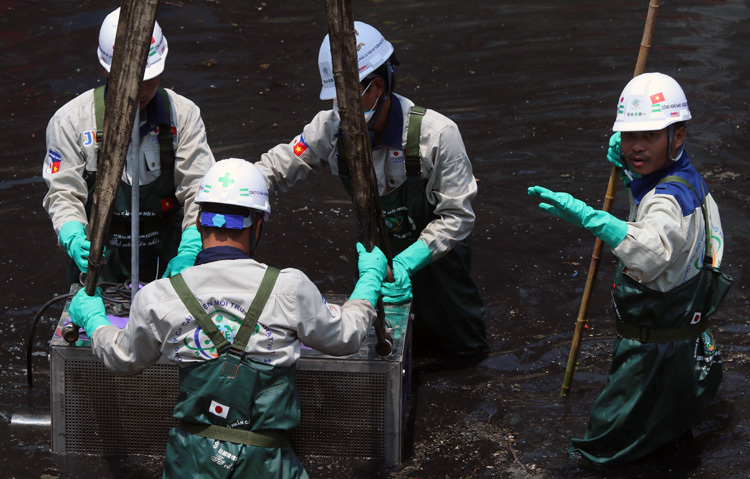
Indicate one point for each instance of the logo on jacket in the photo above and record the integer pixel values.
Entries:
(399, 223)
(300, 146)
(88, 138)
(54, 159)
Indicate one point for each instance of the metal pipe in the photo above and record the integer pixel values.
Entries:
(135, 233)
(34, 420)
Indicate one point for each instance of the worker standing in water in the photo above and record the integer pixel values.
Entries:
(666, 366)
(234, 326)
(426, 187)
(168, 147)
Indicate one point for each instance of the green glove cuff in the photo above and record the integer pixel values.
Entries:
(190, 242)
(70, 231)
(415, 257)
(611, 230)
(368, 287)
(94, 322)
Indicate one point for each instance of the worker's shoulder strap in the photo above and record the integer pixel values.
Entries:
(413, 160)
(209, 327)
(99, 103)
(195, 308)
(701, 201)
(256, 307)
(165, 137)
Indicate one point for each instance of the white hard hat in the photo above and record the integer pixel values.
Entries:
(649, 102)
(234, 182)
(157, 53)
(372, 51)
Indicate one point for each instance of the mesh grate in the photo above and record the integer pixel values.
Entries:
(107, 414)
(343, 414)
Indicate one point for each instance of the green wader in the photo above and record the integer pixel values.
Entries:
(665, 369)
(448, 310)
(159, 213)
(234, 413)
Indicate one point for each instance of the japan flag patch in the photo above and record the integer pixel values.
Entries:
(218, 409)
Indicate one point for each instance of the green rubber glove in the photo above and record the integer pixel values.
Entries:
(602, 224)
(615, 156)
(406, 263)
(373, 268)
(190, 245)
(88, 311)
(73, 239)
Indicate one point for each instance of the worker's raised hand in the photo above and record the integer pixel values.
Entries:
(87, 311)
(190, 245)
(373, 267)
(73, 239)
(616, 157)
(602, 224)
(614, 152)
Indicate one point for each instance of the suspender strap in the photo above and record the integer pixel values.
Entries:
(256, 307)
(661, 335)
(238, 436)
(413, 161)
(99, 113)
(198, 313)
(209, 327)
(166, 147)
(701, 201)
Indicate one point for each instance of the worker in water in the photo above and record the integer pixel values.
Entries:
(234, 327)
(170, 151)
(666, 366)
(426, 187)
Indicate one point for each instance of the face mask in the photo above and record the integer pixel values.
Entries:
(368, 114)
(371, 111)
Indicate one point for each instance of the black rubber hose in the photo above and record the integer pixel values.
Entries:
(111, 292)
(30, 341)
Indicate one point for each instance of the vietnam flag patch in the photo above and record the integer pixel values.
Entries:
(167, 204)
(218, 409)
(54, 159)
(657, 98)
(300, 146)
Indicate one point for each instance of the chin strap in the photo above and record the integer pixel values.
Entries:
(671, 138)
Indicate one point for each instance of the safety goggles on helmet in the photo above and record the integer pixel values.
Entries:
(233, 182)
(372, 51)
(157, 53)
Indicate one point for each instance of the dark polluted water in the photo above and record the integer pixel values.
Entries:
(533, 87)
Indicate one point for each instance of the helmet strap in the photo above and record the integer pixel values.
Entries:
(678, 153)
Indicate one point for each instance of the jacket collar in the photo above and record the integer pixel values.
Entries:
(219, 253)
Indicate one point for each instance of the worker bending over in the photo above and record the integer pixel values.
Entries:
(234, 326)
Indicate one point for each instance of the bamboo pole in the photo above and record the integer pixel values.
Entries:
(609, 198)
(134, 30)
(370, 220)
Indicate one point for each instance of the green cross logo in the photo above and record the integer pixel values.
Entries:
(226, 181)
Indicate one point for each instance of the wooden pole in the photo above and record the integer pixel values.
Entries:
(609, 198)
(132, 43)
(365, 196)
